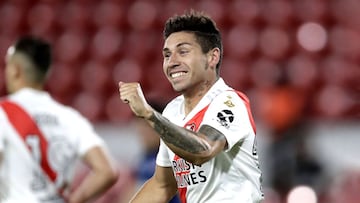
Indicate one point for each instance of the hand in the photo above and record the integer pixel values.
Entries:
(131, 93)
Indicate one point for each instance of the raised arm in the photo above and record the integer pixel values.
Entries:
(195, 147)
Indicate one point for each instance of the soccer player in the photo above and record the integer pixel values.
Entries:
(41, 139)
(208, 147)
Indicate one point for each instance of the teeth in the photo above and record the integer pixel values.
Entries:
(178, 74)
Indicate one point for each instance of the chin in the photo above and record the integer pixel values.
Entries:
(178, 89)
(180, 86)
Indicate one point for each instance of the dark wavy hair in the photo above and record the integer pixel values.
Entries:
(206, 32)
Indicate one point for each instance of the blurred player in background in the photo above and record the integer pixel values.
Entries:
(41, 139)
(208, 148)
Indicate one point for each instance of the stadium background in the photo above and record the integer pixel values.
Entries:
(298, 61)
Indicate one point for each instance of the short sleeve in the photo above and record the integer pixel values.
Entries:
(87, 137)
(228, 114)
(162, 158)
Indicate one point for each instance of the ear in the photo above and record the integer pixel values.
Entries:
(15, 70)
(214, 57)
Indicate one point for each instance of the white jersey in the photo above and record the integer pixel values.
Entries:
(234, 174)
(67, 136)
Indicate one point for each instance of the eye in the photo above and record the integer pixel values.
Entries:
(166, 54)
(183, 52)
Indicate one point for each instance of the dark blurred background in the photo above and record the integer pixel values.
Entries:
(297, 60)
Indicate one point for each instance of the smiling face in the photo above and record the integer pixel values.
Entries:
(187, 68)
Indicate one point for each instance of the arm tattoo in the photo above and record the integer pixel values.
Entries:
(211, 133)
(177, 136)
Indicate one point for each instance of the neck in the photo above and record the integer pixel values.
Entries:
(195, 94)
(32, 86)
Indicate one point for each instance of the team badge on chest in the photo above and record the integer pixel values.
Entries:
(191, 126)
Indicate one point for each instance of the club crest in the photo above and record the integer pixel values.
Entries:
(191, 126)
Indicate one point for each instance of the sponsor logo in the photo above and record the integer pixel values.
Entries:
(225, 117)
(187, 174)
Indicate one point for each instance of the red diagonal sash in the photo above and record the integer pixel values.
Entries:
(194, 123)
(26, 126)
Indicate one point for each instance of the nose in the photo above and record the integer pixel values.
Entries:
(172, 61)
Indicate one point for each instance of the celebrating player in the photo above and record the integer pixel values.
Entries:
(208, 147)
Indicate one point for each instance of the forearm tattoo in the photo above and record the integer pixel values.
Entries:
(177, 136)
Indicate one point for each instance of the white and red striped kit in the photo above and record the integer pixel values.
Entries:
(233, 175)
(41, 141)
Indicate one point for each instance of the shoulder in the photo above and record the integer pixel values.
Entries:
(74, 115)
(222, 91)
(230, 97)
(67, 115)
(228, 102)
(174, 104)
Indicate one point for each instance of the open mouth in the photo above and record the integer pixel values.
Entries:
(177, 74)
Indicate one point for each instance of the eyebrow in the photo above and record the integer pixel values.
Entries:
(178, 45)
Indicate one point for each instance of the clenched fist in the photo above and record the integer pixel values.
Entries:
(132, 94)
